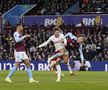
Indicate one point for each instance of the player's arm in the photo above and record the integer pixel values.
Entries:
(71, 36)
(18, 38)
(64, 40)
(45, 43)
(81, 54)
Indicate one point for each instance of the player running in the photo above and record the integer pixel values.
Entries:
(20, 54)
(60, 42)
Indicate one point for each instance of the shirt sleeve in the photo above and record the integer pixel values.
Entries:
(81, 53)
(45, 43)
(71, 36)
(18, 38)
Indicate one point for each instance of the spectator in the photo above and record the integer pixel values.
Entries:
(96, 6)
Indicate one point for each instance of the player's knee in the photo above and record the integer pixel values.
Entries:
(28, 65)
(17, 65)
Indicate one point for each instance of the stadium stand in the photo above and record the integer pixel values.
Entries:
(94, 6)
(56, 7)
(49, 7)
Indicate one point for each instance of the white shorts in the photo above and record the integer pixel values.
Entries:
(19, 56)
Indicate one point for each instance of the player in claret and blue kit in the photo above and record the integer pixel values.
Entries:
(20, 54)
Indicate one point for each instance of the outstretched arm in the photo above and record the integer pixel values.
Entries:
(81, 53)
(64, 40)
(71, 36)
(18, 38)
(45, 43)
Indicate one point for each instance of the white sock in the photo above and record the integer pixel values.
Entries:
(58, 71)
(69, 67)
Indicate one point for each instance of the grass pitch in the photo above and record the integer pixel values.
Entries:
(82, 81)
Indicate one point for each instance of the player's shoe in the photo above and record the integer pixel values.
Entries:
(58, 80)
(72, 74)
(33, 81)
(62, 74)
(8, 80)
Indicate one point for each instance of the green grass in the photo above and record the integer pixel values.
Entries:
(82, 81)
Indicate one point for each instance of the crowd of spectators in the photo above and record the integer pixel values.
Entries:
(56, 7)
(94, 6)
(51, 7)
(93, 47)
(43, 7)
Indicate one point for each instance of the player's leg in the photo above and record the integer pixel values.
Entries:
(52, 67)
(61, 72)
(14, 68)
(58, 54)
(58, 68)
(54, 56)
(29, 71)
(66, 61)
(18, 57)
(58, 73)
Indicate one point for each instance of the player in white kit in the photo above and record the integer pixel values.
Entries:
(59, 42)
(72, 43)
(20, 54)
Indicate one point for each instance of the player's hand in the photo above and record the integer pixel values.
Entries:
(62, 40)
(37, 47)
(28, 35)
